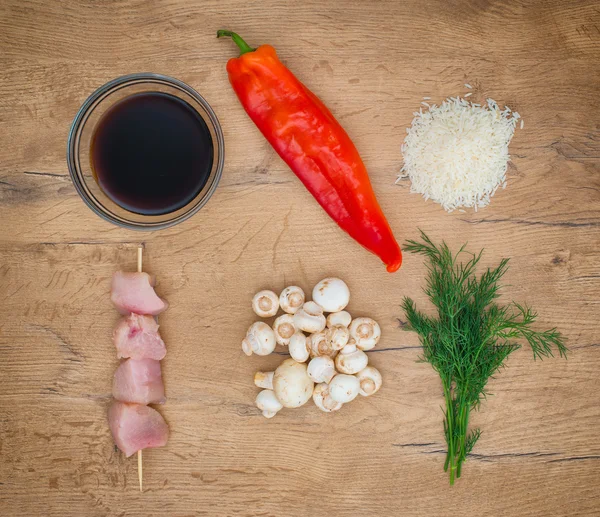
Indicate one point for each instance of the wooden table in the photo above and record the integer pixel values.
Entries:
(371, 62)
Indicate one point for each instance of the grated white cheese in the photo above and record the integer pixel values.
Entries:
(456, 154)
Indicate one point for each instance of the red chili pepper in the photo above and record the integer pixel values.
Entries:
(314, 145)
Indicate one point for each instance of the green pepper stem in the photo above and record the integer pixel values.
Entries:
(244, 47)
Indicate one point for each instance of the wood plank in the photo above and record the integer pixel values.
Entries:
(371, 62)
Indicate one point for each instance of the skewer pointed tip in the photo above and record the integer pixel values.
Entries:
(140, 472)
(139, 258)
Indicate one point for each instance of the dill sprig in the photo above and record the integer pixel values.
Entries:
(471, 337)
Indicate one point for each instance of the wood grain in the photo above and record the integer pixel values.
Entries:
(371, 62)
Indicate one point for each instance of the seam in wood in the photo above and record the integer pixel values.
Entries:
(558, 224)
(391, 348)
(89, 243)
(45, 174)
(576, 458)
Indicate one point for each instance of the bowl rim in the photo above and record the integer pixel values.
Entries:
(121, 81)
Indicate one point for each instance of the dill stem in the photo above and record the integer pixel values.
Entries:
(450, 455)
(464, 424)
(458, 411)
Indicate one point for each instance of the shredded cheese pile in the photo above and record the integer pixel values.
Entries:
(456, 154)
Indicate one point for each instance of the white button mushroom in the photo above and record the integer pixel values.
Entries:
(320, 345)
(338, 336)
(260, 339)
(284, 329)
(342, 318)
(344, 388)
(351, 360)
(323, 400)
(366, 332)
(299, 347)
(332, 294)
(370, 381)
(351, 346)
(264, 380)
(292, 385)
(265, 304)
(321, 369)
(291, 299)
(310, 318)
(267, 402)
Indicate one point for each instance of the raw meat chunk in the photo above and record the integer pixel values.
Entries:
(137, 337)
(139, 381)
(135, 427)
(134, 292)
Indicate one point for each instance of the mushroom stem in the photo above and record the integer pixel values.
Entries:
(264, 380)
(323, 400)
(338, 336)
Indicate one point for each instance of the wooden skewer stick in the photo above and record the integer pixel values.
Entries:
(139, 454)
(140, 469)
(139, 259)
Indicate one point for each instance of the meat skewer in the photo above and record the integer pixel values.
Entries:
(138, 380)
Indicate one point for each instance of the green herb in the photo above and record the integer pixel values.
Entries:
(471, 337)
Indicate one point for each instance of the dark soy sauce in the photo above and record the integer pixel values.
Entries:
(151, 153)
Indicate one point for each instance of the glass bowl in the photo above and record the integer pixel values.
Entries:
(82, 131)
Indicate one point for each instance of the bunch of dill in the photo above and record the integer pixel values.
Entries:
(471, 337)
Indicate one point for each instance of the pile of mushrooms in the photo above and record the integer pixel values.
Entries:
(334, 346)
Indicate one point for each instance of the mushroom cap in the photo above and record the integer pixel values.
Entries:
(292, 385)
(291, 299)
(284, 329)
(321, 369)
(344, 388)
(265, 304)
(267, 402)
(342, 318)
(366, 332)
(312, 308)
(323, 400)
(260, 339)
(370, 381)
(350, 346)
(310, 318)
(332, 294)
(298, 347)
(352, 361)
